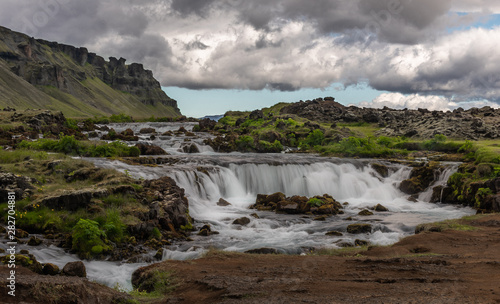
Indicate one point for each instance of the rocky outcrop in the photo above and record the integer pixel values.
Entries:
(22, 186)
(278, 202)
(150, 149)
(67, 69)
(467, 124)
(420, 178)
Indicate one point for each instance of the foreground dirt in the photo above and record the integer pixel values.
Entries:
(432, 267)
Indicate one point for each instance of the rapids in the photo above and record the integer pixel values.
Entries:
(238, 178)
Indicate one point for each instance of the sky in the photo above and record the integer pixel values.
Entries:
(218, 55)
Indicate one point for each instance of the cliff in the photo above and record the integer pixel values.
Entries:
(35, 73)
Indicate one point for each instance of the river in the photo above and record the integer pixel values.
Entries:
(238, 178)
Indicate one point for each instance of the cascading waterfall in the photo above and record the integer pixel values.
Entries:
(238, 178)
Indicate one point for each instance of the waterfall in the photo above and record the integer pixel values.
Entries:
(442, 180)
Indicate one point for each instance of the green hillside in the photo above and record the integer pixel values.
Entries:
(37, 74)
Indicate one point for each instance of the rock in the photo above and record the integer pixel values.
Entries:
(206, 230)
(255, 215)
(420, 178)
(75, 269)
(491, 203)
(359, 228)
(288, 207)
(242, 221)
(24, 251)
(360, 243)
(21, 233)
(147, 130)
(365, 213)
(380, 208)
(320, 218)
(257, 114)
(207, 124)
(50, 269)
(334, 233)
(192, 148)
(69, 200)
(150, 150)
(33, 241)
(223, 203)
(262, 251)
(382, 170)
(159, 254)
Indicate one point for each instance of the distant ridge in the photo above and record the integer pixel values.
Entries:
(35, 73)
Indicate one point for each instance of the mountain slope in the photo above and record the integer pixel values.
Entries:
(36, 73)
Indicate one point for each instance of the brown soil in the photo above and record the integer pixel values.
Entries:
(40, 289)
(432, 267)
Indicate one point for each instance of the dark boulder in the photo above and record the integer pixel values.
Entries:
(382, 170)
(150, 149)
(257, 114)
(50, 269)
(243, 221)
(359, 228)
(75, 269)
(223, 203)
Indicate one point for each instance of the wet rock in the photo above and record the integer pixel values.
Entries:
(365, 213)
(223, 203)
(75, 269)
(420, 178)
(206, 230)
(359, 228)
(50, 269)
(382, 170)
(159, 254)
(243, 221)
(147, 130)
(255, 215)
(288, 207)
(207, 124)
(334, 233)
(34, 241)
(320, 218)
(380, 208)
(21, 233)
(262, 251)
(192, 148)
(150, 150)
(69, 200)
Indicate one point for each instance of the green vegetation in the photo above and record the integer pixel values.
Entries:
(88, 238)
(157, 284)
(70, 145)
(315, 202)
(457, 224)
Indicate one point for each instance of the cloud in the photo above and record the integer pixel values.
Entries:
(401, 46)
(416, 101)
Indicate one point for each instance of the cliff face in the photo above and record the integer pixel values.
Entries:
(75, 81)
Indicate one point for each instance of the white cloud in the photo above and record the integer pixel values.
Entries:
(416, 101)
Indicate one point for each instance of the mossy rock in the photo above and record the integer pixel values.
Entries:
(359, 228)
(334, 233)
(382, 170)
(380, 208)
(365, 213)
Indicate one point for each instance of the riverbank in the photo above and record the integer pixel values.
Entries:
(458, 264)
(451, 266)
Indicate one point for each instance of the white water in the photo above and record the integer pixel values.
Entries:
(238, 178)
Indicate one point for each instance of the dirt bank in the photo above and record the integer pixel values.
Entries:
(432, 267)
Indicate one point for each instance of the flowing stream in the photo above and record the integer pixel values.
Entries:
(238, 178)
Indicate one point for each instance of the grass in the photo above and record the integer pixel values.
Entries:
(456, 224)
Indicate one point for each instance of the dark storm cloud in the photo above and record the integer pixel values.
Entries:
(394, 45)
(187, 7)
